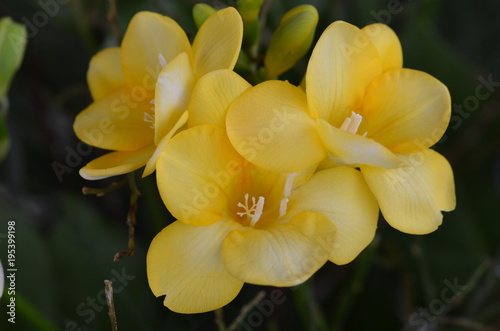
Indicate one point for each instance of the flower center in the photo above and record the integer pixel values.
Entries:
(351, 124)
(254, 211)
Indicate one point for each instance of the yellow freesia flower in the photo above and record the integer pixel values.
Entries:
(131, 114)
(360, 108)
(238, 223)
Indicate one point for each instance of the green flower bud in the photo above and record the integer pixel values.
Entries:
(291, 40)
(201, 12)
(12, 44)
(249, 9)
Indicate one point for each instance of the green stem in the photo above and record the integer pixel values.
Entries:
(32, 316)
(219, 319)
(312, 317)
(112, 17)
(246, 309)
(349, 296)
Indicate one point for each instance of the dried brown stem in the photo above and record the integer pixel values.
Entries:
(108, 289)
(131, 219)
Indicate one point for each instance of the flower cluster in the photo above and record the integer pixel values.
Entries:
(268, 181)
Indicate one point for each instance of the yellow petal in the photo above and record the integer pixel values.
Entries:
(406, 110)
(116, 163)
(412, 197)
(115, 122)
(105, 73)
(342, 64)
(342, 195)
(180, 125)
(352, 149)
(269, 125)
(173, 90)
(150, 36)
(184, 263)
(212, 95)
(387, 43)
(196, 174)
(284, 254)
(218, 42)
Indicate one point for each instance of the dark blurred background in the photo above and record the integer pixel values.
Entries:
(447, 280)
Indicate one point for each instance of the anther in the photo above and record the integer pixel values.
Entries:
(351, 124)
(286, 193)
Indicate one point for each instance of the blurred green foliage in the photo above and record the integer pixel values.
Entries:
(65, 241)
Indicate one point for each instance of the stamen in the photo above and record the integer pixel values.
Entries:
(288, 184)
(149, 118)
(258, 211)
(162, 60)
(286, 193)
(255, 211)
(345, 125)
(283, 205)
(351, 124)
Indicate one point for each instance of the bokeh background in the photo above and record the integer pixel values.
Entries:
(447, 280)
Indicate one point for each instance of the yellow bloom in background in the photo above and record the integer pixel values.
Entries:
(132, 115)
(362, 109)
(238, 223)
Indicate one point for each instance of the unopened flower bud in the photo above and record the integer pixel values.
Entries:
(201, 12)
(249, 11)
(12, 44)
(291, 40)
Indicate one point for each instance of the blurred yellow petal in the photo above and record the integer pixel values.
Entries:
(115, 122)
(196, 174)
(351, 149)
(411, 198)
(217, 44)
(150, 39)
(341, 195)
(342, 64)
(173, 90)
(212, 95)
(406, 110)
(116, 163)
(184, 263)
(105, 73)
(284, 254)
(387, 44)
(269, 125)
